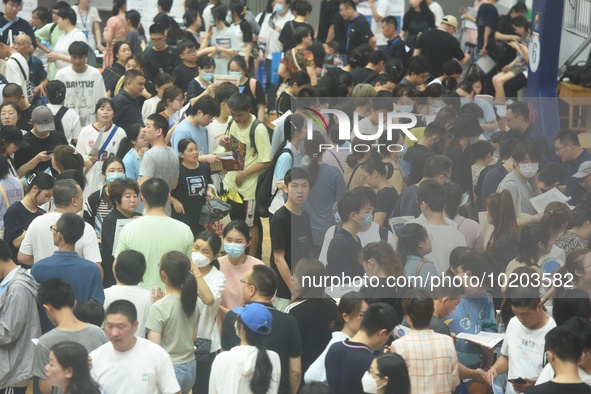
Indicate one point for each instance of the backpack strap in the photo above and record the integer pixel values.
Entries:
(22, 69)
(337, 160)
(60, 113)
(383, 233)
(252, 134)
(52, 28)
(353, 174)
(420, 268)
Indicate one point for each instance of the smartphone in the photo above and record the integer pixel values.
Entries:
(518, 381)
(49, 152)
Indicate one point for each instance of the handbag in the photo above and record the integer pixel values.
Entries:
(215, 210)
(203, 346)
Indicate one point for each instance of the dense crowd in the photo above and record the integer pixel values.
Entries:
(137, 171)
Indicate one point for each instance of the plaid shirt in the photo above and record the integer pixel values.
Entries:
(431, 360)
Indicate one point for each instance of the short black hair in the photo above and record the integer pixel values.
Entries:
(264, 279)
(131, 75)
(5, 253)
(123, 307)
(565, 344)
(166, 5)
(571, 303)
(524, 149)
(57, 293)
(472, 109)
(208, 106)
(351, 202)
(551, 173)
(391, 20)
(295, 173)
(431, 193)
(419, 306)
(378, 56)
(525, 297)
(67, 13)
(519, 108)
(379, 316)
(12, 90)
(156, 28)
(155, 192)
(73, 175)
(300, 77)
(349, 3)
(130, 267)
(239, 102)
(303, 7)
(186, 44)
(446, 115)
(384, 78)
(508, 141)
(452, 67)
(71, 227)
(162, 79)
(78, 49)
(300, 33)
(224, 91)
(434, 129)
(56, 92)
(418, 65)
(90, 312)
(480, 149)
(160, 122)
(437, 165)
(567, 137)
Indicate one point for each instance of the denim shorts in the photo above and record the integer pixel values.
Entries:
(185, 375)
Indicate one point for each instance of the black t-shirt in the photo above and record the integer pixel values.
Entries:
(283, 103)
(560, 388)
(328, 10)
(160, 62)
(461, 172)
(128, 110)
(111, 77)
(107, 241)
(20, 26)
(37, 145)
(284, 339)
(386, 201)
(314, 316)
(292, 234)
(257, 97)
(415, 23)
(363, 75)
(343, 255)
(345, 364)
(487, 16)
(505, 26)
(414, 152)
(184, 74)
(352, 33)
(438, 47)
(286, 36)
(24, 120)
(16, 220)
(397, 49)
(384, 292)
(191, 191)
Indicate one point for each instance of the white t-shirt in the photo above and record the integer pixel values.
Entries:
(214, 129)
(216, 281)
(525, 350)
(138, 297)
(38, 241)
(86, 140)
(372, 234)
(232, 371)
(149, 107)
(83, 90)
(14, 74)
(85, 22)
(437, 10)
(548, 374)
(63, 44)
(70, 122)
(224, 39)
(271, 36)
(146, 369)
(316, 372)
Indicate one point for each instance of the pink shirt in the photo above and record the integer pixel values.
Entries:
(232, 294)
(116, 25)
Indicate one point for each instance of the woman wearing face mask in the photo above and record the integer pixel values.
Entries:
(194, 188)
(249, 86)
(249, 367)
(388, 374)
(206, 249)
(414, 243)
(123, 194)
(206, 66)
(376, 174)
(99, 205)
(236, 264)
(99, 141)
(351, 309)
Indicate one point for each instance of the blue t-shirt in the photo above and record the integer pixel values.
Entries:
(185, 129)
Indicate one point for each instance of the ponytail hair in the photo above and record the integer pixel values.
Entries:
(263, 369)
(531, 235)
(177, 268)
(293, 124)
(117, 5)
(409, 239)
(68, 158)
(350, 304)
(312, 149)
(558, 215)
(384, 256)
(126, 144)
(375, 164)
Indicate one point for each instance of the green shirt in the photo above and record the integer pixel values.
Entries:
(167, 317)
(45, 34)
(154, 236)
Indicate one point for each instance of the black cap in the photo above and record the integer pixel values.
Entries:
(467, 125)
(14, 135)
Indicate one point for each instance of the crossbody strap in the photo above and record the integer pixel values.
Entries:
(4, 196)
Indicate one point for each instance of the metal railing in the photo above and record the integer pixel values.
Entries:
(577, 17)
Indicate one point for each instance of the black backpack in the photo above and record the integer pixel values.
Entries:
(253, 127)
(579, 73)
(263, 194)
(57, 120)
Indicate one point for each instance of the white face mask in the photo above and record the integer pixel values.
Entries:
(370, 385)
(528, 170)
(199, 259)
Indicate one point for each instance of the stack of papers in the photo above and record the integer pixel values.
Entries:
(553, 195)
(486, 339)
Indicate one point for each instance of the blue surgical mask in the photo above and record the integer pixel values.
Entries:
(328, 58)
(404, 150)
(234, 250)
(279, 8)
(211, 20)
(235, 74)
(405, 108)
(436, 104)
(367, 219)
(111, 176)
(464, 100)
(207, 76)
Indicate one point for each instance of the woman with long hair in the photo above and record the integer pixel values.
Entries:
(578, 236)
(535, 241)
(351, 309)
(89, 22)
(249, 86)
(387, 374)
(172, 320)
(560, 217)
(65, 158)
(68, 369)
(19, 215)
(312, 309)
(399, 171)
(242, 34)
(171, 104)
(11, 141)
(249, 367)
(376, 174)
(221, 37)
(136, 37)
(414, 243)
(195, 186)
(469, 228)
(503, 243)
(131, 150)
(99, 140)
(206, 250)
(327, 186)
(416, 20)
(11, 189)
(577, 264)
(111, 74)
(115, 30)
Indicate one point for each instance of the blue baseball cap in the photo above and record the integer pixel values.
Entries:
(256, 317)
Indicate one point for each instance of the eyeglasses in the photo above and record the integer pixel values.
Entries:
(244, 282)
(510, 119)
(53, 228)
(560, 148)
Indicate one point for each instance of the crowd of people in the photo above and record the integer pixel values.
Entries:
(134, 193)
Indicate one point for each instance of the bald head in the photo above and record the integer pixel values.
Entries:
(22, 44)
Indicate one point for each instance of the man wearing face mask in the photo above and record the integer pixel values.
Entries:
(355, 211)
(522, 182)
